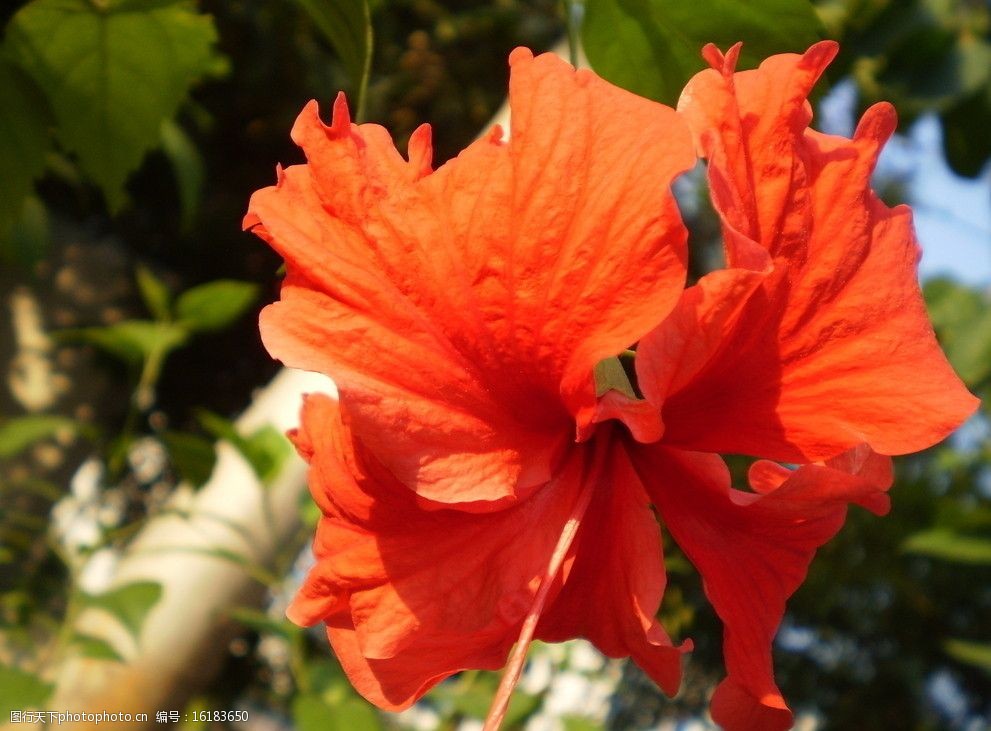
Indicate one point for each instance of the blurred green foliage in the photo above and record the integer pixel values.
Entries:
(923, 56)
(153, 120)
(622, 38)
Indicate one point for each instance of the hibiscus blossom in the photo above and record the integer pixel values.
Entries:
(477, 488)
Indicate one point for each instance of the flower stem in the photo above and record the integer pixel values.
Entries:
(366, 65)
(572, 14)
(514, 667)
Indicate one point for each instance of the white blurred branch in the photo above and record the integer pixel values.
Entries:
(184, 637)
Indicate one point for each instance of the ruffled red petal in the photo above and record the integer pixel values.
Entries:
(614, 579)
(753, 551)
(412, 594)
(835, 347)
(466, 308)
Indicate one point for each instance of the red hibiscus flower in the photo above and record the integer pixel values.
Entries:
(477, 490)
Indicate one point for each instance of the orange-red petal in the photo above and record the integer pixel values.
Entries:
(411, 594)
(466, 308)
(835, 347)
(753, 551)
(614, 580)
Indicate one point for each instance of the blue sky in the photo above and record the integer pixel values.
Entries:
(952, 214)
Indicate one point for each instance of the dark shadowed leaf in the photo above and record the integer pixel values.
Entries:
(652, 47)
(344, 23)
(966, 141)
(192, 456)
(24, 123)
(154, 292)
(28, 238)
(112, 71)
(187, 165)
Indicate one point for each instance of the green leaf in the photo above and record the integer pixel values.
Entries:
(471, 696)
(20, 690)
(187, 165)
(932, 63)
(346, 24)
(328, 680)
(521, 707)
(263, 623)
(312, 713)
(24, 123)
(30, 235)
(610, 376)
(950, 303)
(962, 319)
(131, 341)
(43, 489)
(95, 647)
(112, 70)
(154, 292)
(309, 512)
(966, 141)
(192, 456)
(577, 723)
(19, 433)
(215, 305)
(652, 47)
(971, 653)
(950, 546)
(265, 450)
(195, 707)
(130, 603)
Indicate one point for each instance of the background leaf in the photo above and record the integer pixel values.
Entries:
(966, 141)
(24, 123)
(923, 56)
(263, 623)
(154, 293)
(652, 47)
(130, 603)
(215, 305)
(972, 653)
(312, 713)
(265, 449)
(950, 546)
(112, 71)
(962, 318)
(29, 235)
(187, 165)
(192, 456)
(95, 647)
(20, 690)
(344, 23)
(132, 340)
(21, 432)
